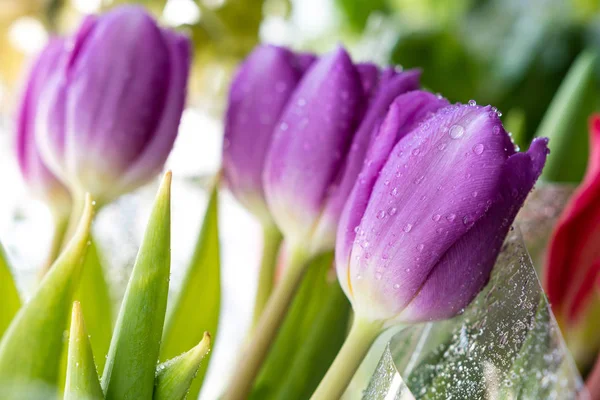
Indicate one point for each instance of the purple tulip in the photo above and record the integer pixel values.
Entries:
(40, 181)
(258, 95)
(425, 222)
(108, 115)
(319, 144)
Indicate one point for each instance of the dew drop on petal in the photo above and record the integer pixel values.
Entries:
(420, 247)
(451, 217)
(396, 286)
(392, 211)
(456, 131)
(436, 217)
(472, 103)
(381, 214)
(416, 152)
(407, 228)
(478, 149)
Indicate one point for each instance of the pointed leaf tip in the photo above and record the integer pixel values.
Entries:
(174, 377)
(82, 378)
(39, 325)
(131, 363)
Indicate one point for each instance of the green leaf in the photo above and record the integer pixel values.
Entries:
(133, 354)
(174, 377)
(312, 330)
(565, 121)
(96, 306)
(321, 345)
(82, 378)
(201, 290)
(31, 348)
(10, 295)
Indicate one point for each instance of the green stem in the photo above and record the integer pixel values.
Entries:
(362, 335)
(271, 243)
(76, 213)
(267, 327)
(58, 236)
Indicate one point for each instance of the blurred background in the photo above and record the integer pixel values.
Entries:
(512, 54)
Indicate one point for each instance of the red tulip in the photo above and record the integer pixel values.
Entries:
(572, 271)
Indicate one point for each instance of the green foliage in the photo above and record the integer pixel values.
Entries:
(309, 339)
(174, 377)
(10, 296)
(82, 378)
(201, 285)
(94, 296)
(31, 347)
(565, 121)
(131, 363)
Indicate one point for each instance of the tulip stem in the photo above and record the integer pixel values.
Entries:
(362, 335)
(270, 251)
(58, 237)
(263, 336)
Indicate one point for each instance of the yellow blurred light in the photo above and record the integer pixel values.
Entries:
(87, 6)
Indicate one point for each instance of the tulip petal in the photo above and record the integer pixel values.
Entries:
(40, 180)
(369, 77)
(257, 97)
(113, 107)
(151, 160)
(404, 114)
(436, 184)
(310, 142)
(575, 241)
(377, 110)
(465, 268)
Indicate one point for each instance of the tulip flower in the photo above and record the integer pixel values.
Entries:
(109, 111)
(316, 152)
(425, 222)
(573, 263)
(42, 183)
(258, 95)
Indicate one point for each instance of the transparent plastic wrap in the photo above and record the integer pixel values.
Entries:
(506, 345)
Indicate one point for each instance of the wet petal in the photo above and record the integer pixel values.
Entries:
(310, 143)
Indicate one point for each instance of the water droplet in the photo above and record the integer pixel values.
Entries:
(451, 217)
(407, 228)
(472, 103)
(419, 180)
(381, 214)
(436, 217)
(396, 286)
(359, 277)
(416, 152)
(392, 211)
(387, 182)
(496, 130)
(407, 269)
(420, 247)
(478, 149)
(456, 131)
(394, 192)
(466, 220)
(356, 229)
(441, 146)
(439, 230)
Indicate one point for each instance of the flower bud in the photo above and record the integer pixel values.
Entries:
(40, 181)
(319, 144)
(258, 95)
(572, 270)
(108, 115)
(426, 219)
